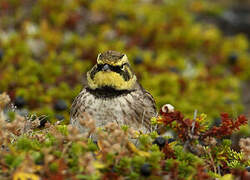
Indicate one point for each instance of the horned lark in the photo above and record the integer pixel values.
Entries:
(112, 94)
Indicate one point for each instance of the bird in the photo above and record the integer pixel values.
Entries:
(113, 94)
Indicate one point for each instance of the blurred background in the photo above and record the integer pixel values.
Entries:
(193, 54)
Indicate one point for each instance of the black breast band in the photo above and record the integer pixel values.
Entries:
(108, 92)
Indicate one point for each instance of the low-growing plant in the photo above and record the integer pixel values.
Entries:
(195, 150)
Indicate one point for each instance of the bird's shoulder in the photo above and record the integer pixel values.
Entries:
(77, 102)
(146, 96)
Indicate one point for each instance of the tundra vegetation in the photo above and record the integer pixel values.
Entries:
(46, 47)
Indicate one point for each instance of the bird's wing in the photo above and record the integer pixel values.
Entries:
(148, 97)
(149, 106)
(77, 103)
(78, 113)
(77, 106)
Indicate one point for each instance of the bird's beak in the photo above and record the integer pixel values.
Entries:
(106, 67)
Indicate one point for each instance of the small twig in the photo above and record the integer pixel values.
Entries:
(190, 137)
(212, 161)
(193, 124)
(219, 169)
(66, 148)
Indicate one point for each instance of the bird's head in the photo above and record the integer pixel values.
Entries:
(112, 70)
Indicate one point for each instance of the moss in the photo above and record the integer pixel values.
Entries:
(53, 167)
(59, 148)
(13, 161)
(26, 144)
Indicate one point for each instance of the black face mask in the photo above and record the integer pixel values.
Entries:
(117, 69)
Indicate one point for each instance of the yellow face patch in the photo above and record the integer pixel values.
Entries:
(111, 79)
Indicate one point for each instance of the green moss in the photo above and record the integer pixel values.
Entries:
(53, 167)
(27, 144)
(13, 161)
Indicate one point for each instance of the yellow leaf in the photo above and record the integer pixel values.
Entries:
(227, 177)
(172, 144)
(133, 148)
(143, 153)
(99, 144)
(25, 176)
(99, 165)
